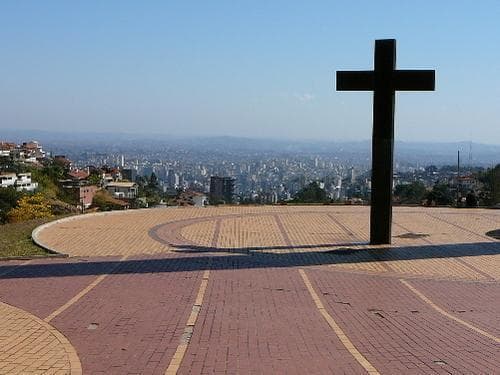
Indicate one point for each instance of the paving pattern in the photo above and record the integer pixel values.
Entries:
(257, 290)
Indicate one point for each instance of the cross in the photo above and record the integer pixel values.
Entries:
(384, 80)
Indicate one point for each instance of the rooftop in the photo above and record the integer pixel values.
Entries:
(122, 184)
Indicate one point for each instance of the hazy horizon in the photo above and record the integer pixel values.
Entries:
(24, 135)
(245, 70)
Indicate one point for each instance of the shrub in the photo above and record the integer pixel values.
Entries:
(30, 207)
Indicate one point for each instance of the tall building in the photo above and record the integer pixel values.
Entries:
(173, 179)
(221, 189)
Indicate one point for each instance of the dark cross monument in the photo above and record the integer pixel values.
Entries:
(384, 80)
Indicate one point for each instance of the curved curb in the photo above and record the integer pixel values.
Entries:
(73, 359)
(55, 253)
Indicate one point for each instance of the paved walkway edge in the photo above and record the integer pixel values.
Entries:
(447, 314)
(176, 361)
(336, 328)
(74, 360)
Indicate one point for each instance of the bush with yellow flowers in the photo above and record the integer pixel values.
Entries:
(30, 207)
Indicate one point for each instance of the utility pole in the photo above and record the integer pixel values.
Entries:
(458, 177)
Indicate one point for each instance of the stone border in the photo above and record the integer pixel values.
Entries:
(52, 251)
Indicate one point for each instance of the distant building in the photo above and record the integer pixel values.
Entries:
(21, 181)
(173, 179)
(127, 190)
(83, 195)
(29, 152)
(221, 189)
(200, 200)
(78, 175)
(6, 148)
(191, 198)
(32, 151)
(62, 161)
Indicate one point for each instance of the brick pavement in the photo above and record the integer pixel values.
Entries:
(289, 290)
(29, 345)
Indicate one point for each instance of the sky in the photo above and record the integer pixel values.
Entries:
(245, 68)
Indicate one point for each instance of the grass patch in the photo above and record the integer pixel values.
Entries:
(15, 239)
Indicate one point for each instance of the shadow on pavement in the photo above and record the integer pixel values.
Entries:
(197, 258)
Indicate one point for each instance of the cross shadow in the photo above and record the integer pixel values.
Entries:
(248, 249)
(240, 258)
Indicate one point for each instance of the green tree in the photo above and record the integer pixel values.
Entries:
(312, 193)
(471, 200)
(440, 195)
(47, 184)
(105, 202)
(490, 179)
(153, 182)
(94, 178)
(412, 193)
(9, 197)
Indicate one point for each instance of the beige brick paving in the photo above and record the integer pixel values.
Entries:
(294, 229)
(314, 229)
(200, 233)
(30, 346)
(252, 231)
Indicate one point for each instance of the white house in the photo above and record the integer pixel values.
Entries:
(21, 181)
(7, 179)
(126, 190)
(200, 200)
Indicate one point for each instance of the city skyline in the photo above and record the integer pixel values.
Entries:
(259, 71)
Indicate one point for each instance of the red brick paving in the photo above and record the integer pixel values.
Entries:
(263, 321)
(140, 318)
(41, 295)
(476, 303)
(258, 319)
(399, 333)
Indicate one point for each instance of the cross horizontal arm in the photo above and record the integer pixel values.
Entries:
(355, 81)
(414, 80)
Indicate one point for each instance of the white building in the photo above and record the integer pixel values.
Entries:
(126, 190)
(200, 200)
(7, 179)
(21, 181)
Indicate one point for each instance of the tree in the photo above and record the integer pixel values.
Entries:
(412, 193)
(471, 200)
(491, 182)
(9, 197)
(47, 182)
(440, 195)
(105, 202)
(30, 207)
(312, 193)
(94, 178)
(153, 182)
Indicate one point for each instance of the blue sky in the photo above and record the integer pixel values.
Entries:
(245, 68)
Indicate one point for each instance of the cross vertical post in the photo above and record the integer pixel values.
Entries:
(382, 143)
(384, 80)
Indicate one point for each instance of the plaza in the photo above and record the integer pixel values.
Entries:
(261, 290)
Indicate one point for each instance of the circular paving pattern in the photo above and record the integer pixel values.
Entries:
(23, 337)
(422, 237)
